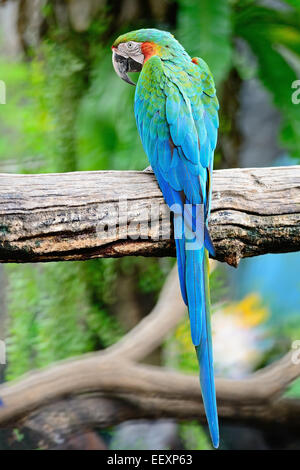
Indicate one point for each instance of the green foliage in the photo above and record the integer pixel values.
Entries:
(209, 28)
(64, 83)
(38, 126)
(152, 274)
(106, 130)
(293, 390)
(193, 437)
(53, 316)
(18, 127)
(18, 435)
(270, 33)
(205, 30)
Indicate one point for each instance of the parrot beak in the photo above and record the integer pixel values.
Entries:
(123, 65)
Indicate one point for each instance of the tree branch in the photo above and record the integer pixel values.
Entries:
(147, 391)
(104, 388)
(58, 217)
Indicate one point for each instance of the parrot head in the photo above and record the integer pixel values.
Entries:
(132, 50)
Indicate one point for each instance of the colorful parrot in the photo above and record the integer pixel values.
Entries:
(176, 111)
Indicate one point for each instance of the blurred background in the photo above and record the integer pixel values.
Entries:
(66, 110)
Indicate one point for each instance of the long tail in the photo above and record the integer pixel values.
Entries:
(205, 359)
(193, 265)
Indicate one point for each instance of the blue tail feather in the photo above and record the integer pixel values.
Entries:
(197, 288)
(205, 358)
(181, 266)
(208, 242)
(194, 288)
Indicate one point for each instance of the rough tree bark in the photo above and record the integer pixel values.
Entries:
(58, 217)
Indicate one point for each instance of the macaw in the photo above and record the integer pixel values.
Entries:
(176, 111)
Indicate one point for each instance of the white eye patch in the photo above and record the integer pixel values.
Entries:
(132, 46)
(131, 49)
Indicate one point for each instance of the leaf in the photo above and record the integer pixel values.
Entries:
(204, 28)
(293, 3)
(293, 389)
(266, 30)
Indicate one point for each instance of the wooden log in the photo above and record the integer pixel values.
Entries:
(72, 216)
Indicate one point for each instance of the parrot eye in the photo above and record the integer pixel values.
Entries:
(130, 45)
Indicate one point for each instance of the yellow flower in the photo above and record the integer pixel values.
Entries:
(249, 312)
